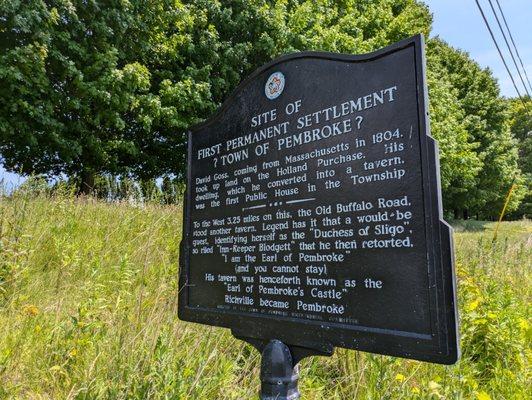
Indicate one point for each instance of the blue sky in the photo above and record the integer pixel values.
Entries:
(459, 23)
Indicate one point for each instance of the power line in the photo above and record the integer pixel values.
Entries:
(509, 48)
(513, 42)
(500, 53)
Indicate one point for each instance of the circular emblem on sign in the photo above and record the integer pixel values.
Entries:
(274, 85)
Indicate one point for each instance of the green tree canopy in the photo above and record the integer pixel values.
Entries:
(521, 127)
(483, 115)
(460, 162)
(97, 87)
(110, 86)
(71, 103)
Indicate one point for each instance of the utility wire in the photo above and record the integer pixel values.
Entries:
(500, 53)
(509, 48)
(513, 42)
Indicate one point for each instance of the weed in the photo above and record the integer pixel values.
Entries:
(88, 311)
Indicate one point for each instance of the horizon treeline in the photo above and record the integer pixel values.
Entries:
(94, 90)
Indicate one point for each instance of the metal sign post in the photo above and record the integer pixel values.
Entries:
(278, 374)
(313, 214)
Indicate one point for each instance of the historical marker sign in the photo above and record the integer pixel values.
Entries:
(313, 209)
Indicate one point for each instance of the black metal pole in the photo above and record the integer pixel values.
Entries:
(278, 374)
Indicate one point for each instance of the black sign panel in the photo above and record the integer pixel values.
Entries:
(313, 209)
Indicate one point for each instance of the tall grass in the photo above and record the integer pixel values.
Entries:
(88, 311)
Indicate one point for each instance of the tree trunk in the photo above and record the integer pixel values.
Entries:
(87, 183)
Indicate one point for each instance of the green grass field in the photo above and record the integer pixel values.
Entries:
(88, 311)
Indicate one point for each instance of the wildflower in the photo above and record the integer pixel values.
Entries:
(473, 305)
(492, 315)
(416, 390)
(30, 309)
(483, 396)
(400, 377)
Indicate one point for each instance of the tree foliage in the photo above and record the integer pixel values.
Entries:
(109, 87)
(521, 127)
(481, 186)
(459, 160)
(73, 102)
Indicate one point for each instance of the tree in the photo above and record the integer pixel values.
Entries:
(521, 127)
(486, 121)
(68, 96)
(460, 163)
(111, 86)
